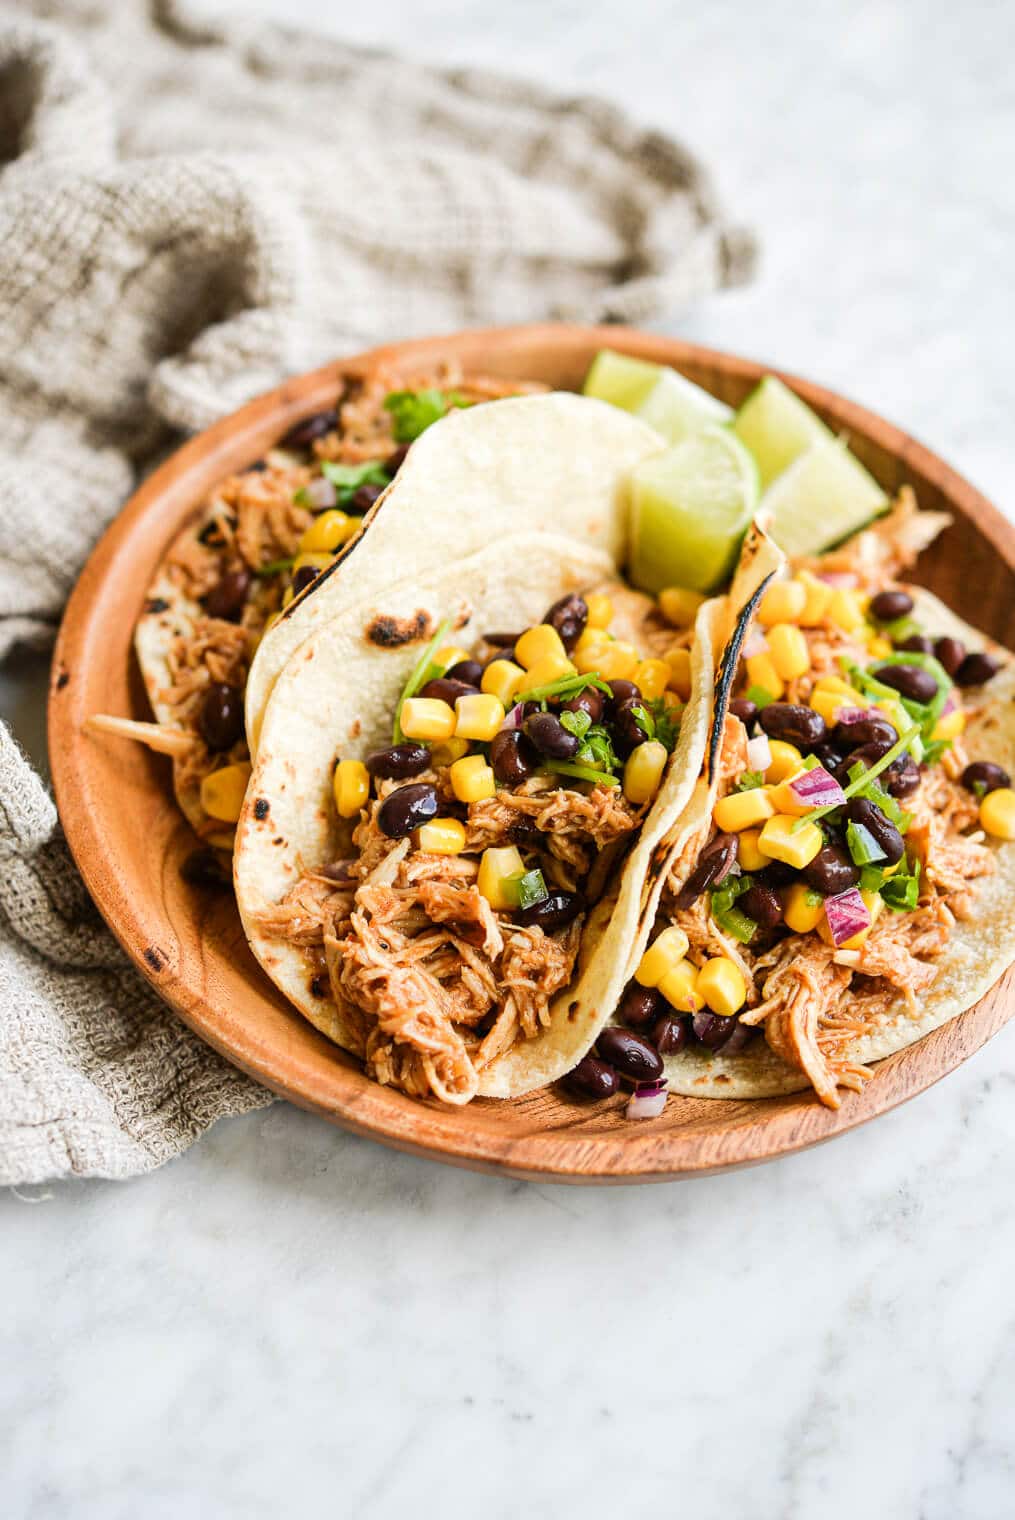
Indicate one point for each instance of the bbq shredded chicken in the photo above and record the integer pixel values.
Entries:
(432, 983)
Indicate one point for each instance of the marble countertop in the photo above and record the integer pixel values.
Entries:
(289, 1319)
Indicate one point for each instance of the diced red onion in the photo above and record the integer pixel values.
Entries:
(754, 643)
(847, 915)
(843, 578)
(513, 718)
(849, 715)
(816, 788)
(950, 705)
(321, 493)
(647, 1101)
(759, 753)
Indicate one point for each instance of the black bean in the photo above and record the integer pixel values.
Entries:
(869, 730)
(740, 1036)
(550, 737)
(777, 874)
(363, 499)
(207, 868)
(626, 729)
(762, 903)
(983, 776)
(801, 726)
(712, 1029)
(866, 755)
(623, 691)
(889, 605)
(227, 599)
(745, 710)
(303, 578)
(640, 1006)
(669, 1035)
(915, 645)
(589, 701)
(442, 689)
(569, 616)
(901, 778)
(302, 435)
(832, 870)
(398, 762)
(977, 668)
(909, 680)
(593, 1078)
(629, 1053)
(406, 809)
(502, 639)
(950, 653)
(220, 716)
(861, 810)
(714, 864)
(553, 912)
(341, 871)
(499, 654)
(469, 671)
(827, 756)
(512, 757)
(395, 460)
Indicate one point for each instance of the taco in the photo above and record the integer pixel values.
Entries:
(841, 880)
(442, 850)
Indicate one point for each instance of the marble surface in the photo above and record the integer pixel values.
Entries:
(288, 1319)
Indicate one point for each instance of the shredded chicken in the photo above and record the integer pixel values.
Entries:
(889, 546)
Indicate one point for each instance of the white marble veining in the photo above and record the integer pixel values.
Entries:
(289, 1320)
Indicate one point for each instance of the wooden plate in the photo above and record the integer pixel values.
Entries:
(129, 840)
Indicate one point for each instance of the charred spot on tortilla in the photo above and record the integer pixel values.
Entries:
(154, 958)
(392, 632)
(62, 679)
(279, 839)
(156, 604)
(261, 807)
(726, 675)
(317, 987)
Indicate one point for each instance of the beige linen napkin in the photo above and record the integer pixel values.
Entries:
(188, 212)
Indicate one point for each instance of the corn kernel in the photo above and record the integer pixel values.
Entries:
(315, 562)
(543, 674)
(748, 854)
(787, 648)
(617, 662)
(845, 609)
(951, 725)
(592, 638)
(817, 595)
(478, 716)
(661, 956)
(797, 847)
(327, 532)
(786, 761)
(652, 678)
(450, 655)
(600, 610)
(222, 791)
(472, 779)
(997, 813)
(539, 644)
(351, 785)
(427, 718)
(679, 988)
(873, 902)
(501, 678)
(834, 683)
(878, 647)
(722, 985)
(448, 751)
(680, 606)
(802, 908)
(442, 836)
(761, 672)
(786, 799)
(643, 771)
(673, 704)
(498, 865)
(742, 810)
(679, 664)
(830, 703)
(783, 602)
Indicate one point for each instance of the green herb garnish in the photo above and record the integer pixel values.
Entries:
(275, 567)
(580, 772)
(667, 726)
(727, 915)
(577, 723)
(412, 412)
(527, 888)
(418, 677)
(869, 775)
(564, 686)
(347, 478)
(597, 750)
(749, 781)
(863, 847)
(902, 893)
(871, 878)
(760, 696)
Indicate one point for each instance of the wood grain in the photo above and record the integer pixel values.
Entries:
(129, 840)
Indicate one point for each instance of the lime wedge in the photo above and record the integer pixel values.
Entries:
(822, 498)
(690, 506)
(676, 407)
(619, 379)
(777, 427)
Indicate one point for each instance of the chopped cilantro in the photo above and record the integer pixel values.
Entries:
(577, 723)
(275, 567)
(749, 781)
(729, 917)
(527, 888)
(566, 686)
(902, 893)
(979, 790)
(347, 478)
(580, 772)
(597, 749)
(667, 724)
(863, 847)
(412, 412)
(759, 696)
(871, 878)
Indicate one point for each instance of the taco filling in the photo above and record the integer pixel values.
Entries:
(518, 772)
